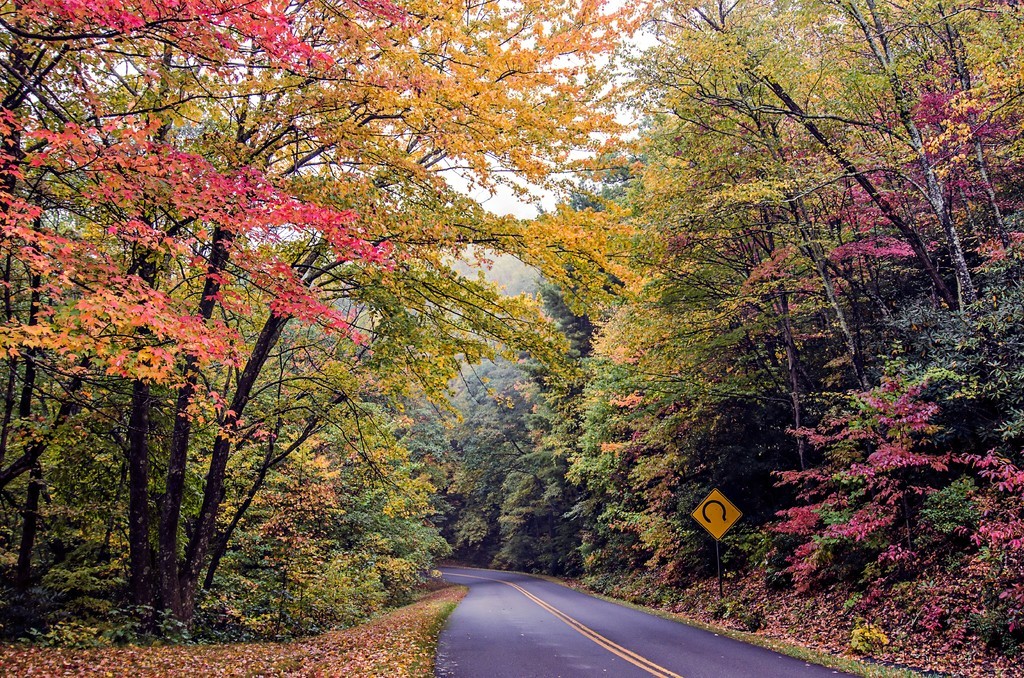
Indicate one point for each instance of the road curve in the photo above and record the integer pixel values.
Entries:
(516, 626)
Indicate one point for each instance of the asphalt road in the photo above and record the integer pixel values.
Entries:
(517, 626)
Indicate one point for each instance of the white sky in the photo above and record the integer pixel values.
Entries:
(504, 200)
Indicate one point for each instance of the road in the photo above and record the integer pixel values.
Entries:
(517, 626)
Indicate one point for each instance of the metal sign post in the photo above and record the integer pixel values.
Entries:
(718, 562)
(717, 515)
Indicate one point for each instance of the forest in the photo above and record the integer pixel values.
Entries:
(266, 358)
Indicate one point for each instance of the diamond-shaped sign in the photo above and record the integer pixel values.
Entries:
(716, 514)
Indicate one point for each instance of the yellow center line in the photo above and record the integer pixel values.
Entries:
(585, 631)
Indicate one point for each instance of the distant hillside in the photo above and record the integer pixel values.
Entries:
(512, 275)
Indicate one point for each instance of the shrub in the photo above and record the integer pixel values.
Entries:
(747, 549)
(729, 608)
(950, 511)
(881, 455)
(867, 638)
(994, 628)
(70, 634)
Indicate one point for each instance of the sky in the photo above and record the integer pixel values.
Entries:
(503, 200)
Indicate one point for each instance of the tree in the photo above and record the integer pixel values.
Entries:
(192, 189)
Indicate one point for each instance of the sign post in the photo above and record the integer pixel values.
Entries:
(717, 515)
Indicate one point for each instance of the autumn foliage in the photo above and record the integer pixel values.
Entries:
(245, 301)
(228, 233)
(399, 644)
(820, 315)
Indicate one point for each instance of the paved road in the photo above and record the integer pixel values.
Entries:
(517, 626)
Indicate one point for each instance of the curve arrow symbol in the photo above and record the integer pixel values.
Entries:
(704, 510)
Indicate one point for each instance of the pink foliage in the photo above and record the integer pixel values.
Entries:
(881, 458)
(150, 195)
(214, 29)
(1002, 528)
(882, 247)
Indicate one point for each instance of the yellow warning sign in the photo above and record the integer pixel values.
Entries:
(716, 514)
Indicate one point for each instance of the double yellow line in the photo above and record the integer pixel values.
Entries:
(614, 648)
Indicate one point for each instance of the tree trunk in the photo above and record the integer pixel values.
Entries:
(793, 367)
(12, 365)
(30, 525)
(190, 570)
(817, 257)
(958, 53)
(139, 549)
(5, 425)
(177, 463)
(23, 572)
(213, 493)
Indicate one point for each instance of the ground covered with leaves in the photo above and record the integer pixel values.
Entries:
(402, 643)
(897, 629)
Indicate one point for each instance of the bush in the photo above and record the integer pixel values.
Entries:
(993, 627)
(949, 512)
(730, 608)
(747, 549)
(23, 611)
(867, 638)
(71, 634)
